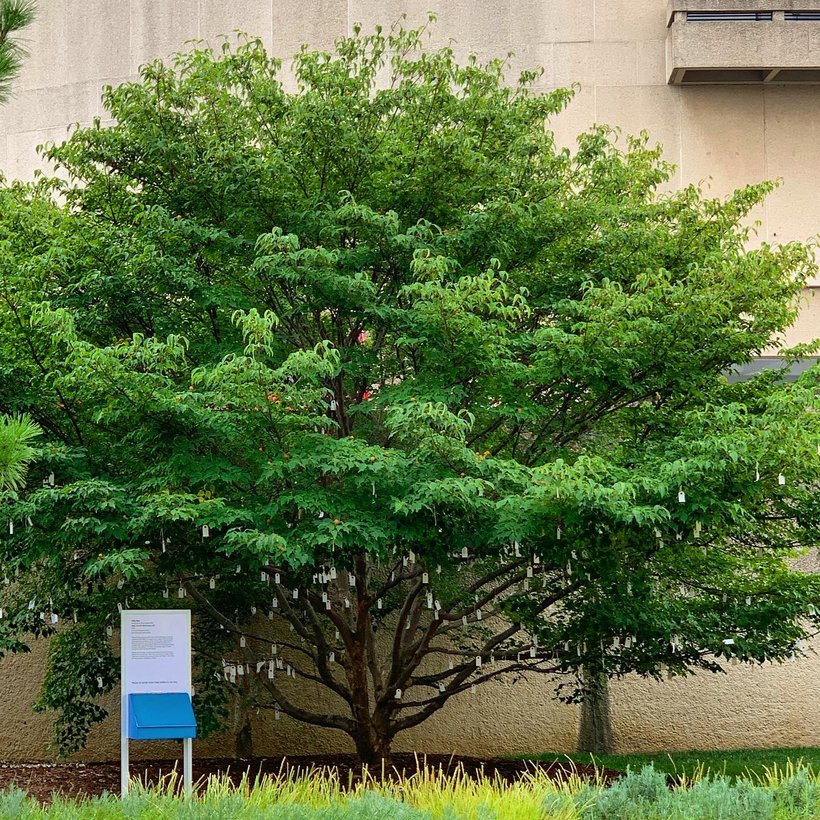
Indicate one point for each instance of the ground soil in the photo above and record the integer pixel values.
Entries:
(42, 780)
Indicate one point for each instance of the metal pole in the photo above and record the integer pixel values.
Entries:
(188, 766)
(124, 774)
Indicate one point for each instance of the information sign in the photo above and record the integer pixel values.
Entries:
(155, 658)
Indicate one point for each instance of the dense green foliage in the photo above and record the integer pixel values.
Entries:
(641, 795)
(396, 394)
(15, 15)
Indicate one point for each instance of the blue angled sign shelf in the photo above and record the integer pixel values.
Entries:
(161, 716)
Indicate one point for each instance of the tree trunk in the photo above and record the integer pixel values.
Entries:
(595, 730)
(244, 740)
(374, 751)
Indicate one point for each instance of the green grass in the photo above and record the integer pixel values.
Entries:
(789, 794)
(754, 763)
(319, 796)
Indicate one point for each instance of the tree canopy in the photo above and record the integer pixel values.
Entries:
(395, 393)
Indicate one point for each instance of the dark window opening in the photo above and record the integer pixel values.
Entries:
(727, 16)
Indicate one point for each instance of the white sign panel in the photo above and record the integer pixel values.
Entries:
(156, 651)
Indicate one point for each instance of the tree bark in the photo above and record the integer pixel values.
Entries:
(595, 729)
(244, 740)
(374, 748)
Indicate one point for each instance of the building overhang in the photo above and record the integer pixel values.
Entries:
(743, 42)
(790, 371)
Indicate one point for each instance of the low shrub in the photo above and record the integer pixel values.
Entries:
(648, 795)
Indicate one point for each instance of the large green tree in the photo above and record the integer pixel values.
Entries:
(395, 394)
(15, 15)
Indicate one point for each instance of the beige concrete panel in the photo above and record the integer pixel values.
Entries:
(814, 38)
(532, 58)
(722, 137)
(47, 63)
(627, 20)
(22, 158)
(576, 118)
(551, 21)
(369, 13)
(222, 18)
(319, 23)
(651, 62)
(35, 109)
(160, 29)
(97, 35)
(287, 736)
(792, 135)
(481, 27)
(722, 144)
(26, 735)
(608, 64)
(807, 327)
(651, 108)
(53, 113)
(768, 706)
(502, 717)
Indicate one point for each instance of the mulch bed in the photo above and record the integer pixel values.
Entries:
(42, 780)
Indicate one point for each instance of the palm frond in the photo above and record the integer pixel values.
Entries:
(16, 435)
(15, 15)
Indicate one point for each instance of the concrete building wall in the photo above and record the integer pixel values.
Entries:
(725, 136)
(502, 717)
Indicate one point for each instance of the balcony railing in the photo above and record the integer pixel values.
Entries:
(743, 41)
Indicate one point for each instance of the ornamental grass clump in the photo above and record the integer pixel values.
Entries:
(317, 796)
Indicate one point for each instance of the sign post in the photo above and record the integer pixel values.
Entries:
(155, 659)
